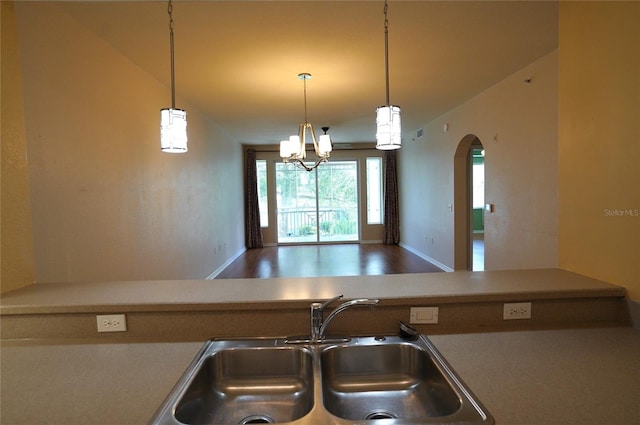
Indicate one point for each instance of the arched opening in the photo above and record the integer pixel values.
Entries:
(464, 223)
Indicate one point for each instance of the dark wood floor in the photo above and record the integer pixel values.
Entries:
(326, 260)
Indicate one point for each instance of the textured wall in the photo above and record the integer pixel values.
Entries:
(17, 237)
(599, 108)
(106, 203)
(517, 125)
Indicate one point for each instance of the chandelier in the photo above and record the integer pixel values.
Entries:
(173, 122)
(294, 149)
(388, 132)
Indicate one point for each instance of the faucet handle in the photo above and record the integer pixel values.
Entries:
(330, 301)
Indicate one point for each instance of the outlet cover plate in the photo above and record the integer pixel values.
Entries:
(423, 315)
(512, 311)
(111, 323)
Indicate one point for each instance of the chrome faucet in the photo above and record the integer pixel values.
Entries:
(319, 327)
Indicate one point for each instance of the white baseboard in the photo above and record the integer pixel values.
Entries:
(226, 263)
(427, 258)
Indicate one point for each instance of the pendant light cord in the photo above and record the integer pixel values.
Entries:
(173, 83)
(386, 48)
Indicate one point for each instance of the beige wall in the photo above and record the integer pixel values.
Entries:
(17, 236)
(517, 124)
(599, 107)
(106, 203)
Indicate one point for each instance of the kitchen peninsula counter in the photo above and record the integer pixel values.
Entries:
(195, 310)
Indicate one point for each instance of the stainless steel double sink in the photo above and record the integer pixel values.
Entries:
(374, 380)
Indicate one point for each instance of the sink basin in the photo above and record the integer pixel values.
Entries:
(246, 383)
(385, 381)
(381, 379)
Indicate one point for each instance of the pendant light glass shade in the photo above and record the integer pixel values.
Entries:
(388, 133)
(173, 130)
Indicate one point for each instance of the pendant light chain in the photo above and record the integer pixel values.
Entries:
(173, 83)
(386, 48)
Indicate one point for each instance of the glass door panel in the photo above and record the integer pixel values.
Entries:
(338, 201)
(317, 206)
(296, 204)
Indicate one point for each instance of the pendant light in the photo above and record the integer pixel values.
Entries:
(389, 131)
(173, 122)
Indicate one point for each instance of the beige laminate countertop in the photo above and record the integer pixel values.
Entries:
(252, 293)
(558, 377)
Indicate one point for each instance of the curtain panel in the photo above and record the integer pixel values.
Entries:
(391, 209)
(253, 231)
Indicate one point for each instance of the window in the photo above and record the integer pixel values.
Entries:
(263, 202)
(374, 190)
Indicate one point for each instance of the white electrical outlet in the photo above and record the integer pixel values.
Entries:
(112, 323)
(516, 311)
(423, 315)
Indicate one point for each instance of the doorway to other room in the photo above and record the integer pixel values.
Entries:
(477, 207)
(469, 201)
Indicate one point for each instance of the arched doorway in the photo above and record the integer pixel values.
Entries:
(466, 218)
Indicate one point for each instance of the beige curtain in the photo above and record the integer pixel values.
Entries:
(391, 211)
(253, 231)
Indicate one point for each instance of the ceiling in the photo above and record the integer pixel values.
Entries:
(237, 60)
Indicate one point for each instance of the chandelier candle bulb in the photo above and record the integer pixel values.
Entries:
(325, 144)
(297, 149)
(285, 149)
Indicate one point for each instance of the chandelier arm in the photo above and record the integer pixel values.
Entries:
(300, 164)
(302, 134)
(315, 140)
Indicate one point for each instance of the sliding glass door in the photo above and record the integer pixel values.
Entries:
(317, 206)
